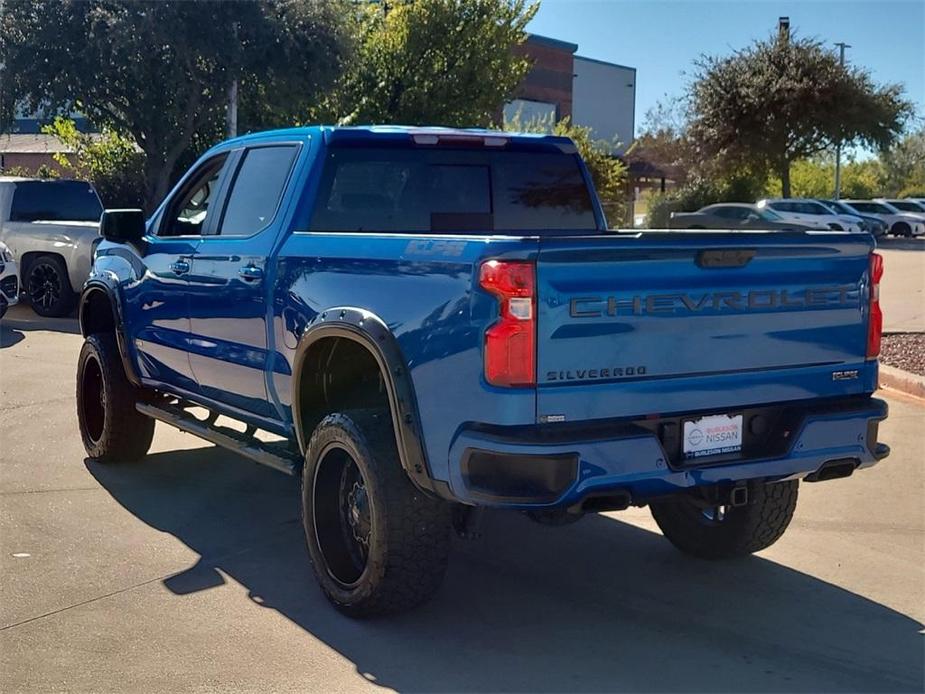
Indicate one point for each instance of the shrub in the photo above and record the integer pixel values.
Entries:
(110, 161)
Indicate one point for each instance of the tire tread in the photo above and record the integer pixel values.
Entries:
(746, 529)
(127, 433)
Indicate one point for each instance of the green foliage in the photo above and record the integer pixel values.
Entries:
(815, 178)
(159, 71)
(608, 173)
(440, 62)
(780, 101)
(110, 161)
(660, 209)
(42, 171)
(904, 165)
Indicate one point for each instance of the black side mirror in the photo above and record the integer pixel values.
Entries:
(122, 226)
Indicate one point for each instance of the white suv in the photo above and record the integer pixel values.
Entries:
(900, 223)
(812, 212)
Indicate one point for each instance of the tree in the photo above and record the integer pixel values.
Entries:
(159, 71)
(664, 142)
(815, 178)
(440, 62)
(782, 100)
(903, 166)
(109, 160)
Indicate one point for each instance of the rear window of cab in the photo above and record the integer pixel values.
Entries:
(417, 190)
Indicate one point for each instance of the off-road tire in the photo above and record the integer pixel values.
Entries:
(48, 287)
(115, 432)
(409, 531)
(744, 529)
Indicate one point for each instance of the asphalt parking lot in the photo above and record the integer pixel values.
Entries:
(188, 572)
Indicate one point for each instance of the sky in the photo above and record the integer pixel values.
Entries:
(663, 39)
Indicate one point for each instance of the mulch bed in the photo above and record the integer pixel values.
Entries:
(905, 351)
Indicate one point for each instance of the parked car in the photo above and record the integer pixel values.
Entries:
(874, 225)
(808, 211)
(736, 215)
(438, 321)
(51, 226)
(900, 223)
(905, 205)
(9, 279)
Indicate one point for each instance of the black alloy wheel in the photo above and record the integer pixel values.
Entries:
(342, 515)
(48, 287)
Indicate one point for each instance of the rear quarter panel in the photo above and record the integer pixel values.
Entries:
(423, 289)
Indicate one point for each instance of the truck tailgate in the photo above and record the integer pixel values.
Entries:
(672, 322)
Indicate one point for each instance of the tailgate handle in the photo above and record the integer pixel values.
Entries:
(725, 257)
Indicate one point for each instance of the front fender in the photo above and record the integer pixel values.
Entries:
(91, 299)
(371, 332)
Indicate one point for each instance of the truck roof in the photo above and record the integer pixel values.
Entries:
(401, 133)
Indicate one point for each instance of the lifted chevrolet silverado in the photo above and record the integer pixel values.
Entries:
(434, 321)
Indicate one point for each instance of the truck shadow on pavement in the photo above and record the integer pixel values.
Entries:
(597, 606)
(22, 319)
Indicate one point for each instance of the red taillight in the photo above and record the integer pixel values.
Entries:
(875, 321)
(510, 343)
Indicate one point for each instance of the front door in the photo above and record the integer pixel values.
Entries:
(157, 306)
(229, 282)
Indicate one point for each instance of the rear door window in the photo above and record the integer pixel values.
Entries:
(452, 191)
(53, 201)
(257, 189)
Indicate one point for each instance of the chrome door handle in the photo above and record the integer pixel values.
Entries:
(179, 267)
(251, 272)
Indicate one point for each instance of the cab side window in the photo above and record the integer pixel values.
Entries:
(187, 213)
(257, 190)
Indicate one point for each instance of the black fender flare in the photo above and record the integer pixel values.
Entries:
(371, 332)
(96, 286)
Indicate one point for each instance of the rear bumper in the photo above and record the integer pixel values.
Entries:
(547, 466)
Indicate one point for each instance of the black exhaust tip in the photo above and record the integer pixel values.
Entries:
(833, 470)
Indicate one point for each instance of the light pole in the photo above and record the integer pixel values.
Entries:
(841, 59)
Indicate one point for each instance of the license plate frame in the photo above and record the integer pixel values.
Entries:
(712, 435)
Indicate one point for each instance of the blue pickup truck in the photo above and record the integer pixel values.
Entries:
(422, 323)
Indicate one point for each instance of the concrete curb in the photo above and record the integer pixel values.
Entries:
(903, 381)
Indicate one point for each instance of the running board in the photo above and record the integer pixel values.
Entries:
(276, 456)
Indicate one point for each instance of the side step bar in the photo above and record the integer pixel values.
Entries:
(276, 456)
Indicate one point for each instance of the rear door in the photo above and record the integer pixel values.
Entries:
(666, 322)
(229, 276)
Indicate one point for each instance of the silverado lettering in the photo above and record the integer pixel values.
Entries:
(759, 299)
(583, 374)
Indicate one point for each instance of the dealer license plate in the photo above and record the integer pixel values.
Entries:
(717, 434)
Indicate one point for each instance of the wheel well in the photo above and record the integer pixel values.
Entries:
(338, 374)
(96, 314)
(25, 263)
